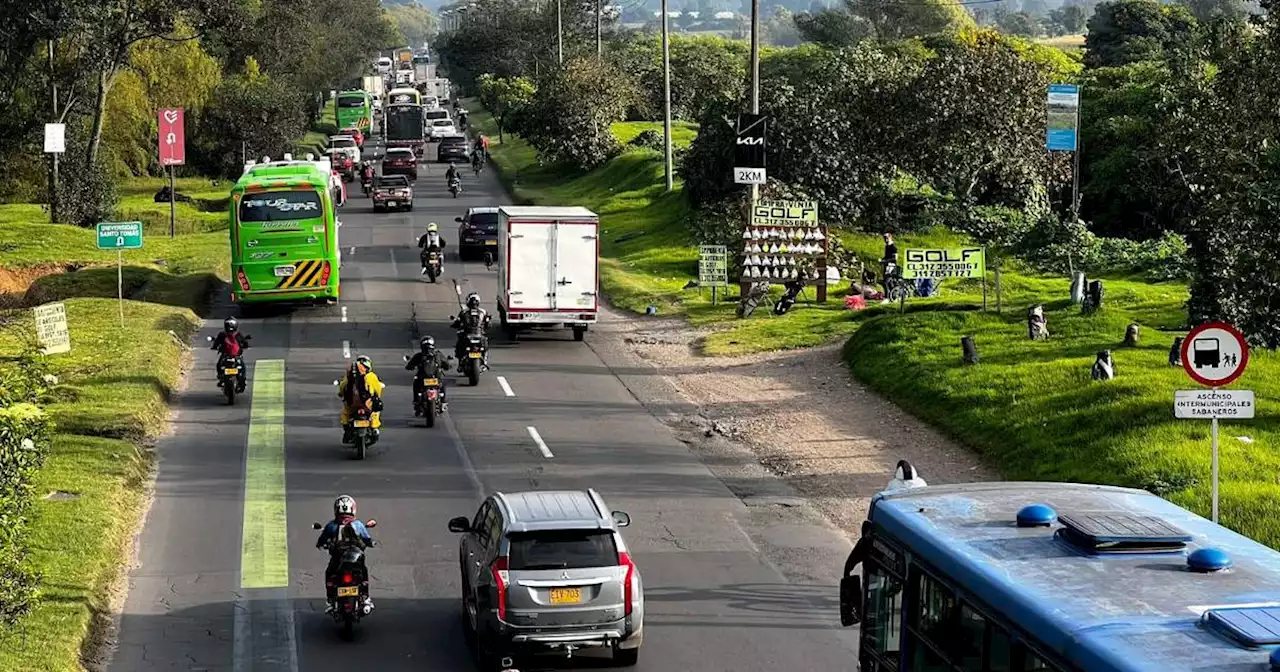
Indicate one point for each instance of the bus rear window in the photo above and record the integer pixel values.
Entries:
(353, 101)
(280, 206)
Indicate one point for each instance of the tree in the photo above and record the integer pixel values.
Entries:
(414, 22)
(505, 97)
(1019, 23)
(570, 117)
(833, 27)
(1208, 10)
(251, 110)
(1128, 31)
(1070, 18)
(898, 20)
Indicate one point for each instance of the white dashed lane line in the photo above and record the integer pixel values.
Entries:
(542, 445)
(506, 389)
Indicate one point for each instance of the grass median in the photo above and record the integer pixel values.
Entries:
(113, 395)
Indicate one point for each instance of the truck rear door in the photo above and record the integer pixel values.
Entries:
(530, 247)
(574, 269)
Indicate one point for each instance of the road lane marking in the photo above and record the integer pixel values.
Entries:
(353, 249)
(506, 389)
(264, 560)
(346, 349)
(344, 313)
(542, 445)
(395, 270)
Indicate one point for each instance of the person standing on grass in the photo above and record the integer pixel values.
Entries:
(889, 262)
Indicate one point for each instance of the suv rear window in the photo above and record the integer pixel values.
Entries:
(561, 549)
(486, 222)
(342, 142)
(437, 114)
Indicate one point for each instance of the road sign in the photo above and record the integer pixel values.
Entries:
(749, 150)
(173, 151)
(51, 328)
(1063, 118)
(968, 262)
(713, 266)
(55, 138)
(784, 213)
(1215, 354)
(119, 235)
(1209, 404)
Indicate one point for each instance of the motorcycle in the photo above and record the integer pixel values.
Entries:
(431, 264)
(361, 433)
(474, 360)
(350, 585)
(230, 374)
(455, 186)
(429, 403)
(366, 183)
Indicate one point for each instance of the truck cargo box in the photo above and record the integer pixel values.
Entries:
(548, 268)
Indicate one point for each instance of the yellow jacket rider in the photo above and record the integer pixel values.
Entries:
(361, 387)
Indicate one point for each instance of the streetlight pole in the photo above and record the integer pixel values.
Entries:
(755, 72)
(599, 42)
(666, 95)
(559, 33)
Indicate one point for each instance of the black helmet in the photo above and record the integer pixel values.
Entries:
(230, 324)
(428, 343)
(473, 301)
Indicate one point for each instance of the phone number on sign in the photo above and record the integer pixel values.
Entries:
(942, 270)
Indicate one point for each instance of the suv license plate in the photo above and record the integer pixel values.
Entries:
(348, 591)
(566, 595)
(284, 271)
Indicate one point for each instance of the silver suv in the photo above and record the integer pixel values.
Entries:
(548, 572)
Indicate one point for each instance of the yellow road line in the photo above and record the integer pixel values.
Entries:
(264, 562)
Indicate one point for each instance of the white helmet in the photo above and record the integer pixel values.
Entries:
(344, 505)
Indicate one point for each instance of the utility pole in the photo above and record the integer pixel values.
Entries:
(559, 33)
(599, 41)
(53, 173)
(666, 95)
(755, 72)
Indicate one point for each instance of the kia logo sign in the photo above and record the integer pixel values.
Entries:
(751, 141)
(749, 147)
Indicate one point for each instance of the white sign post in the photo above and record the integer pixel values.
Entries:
(55, 138)
(1214, 355)
(51, 328)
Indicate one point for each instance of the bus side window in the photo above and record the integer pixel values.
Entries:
(882, 624)
(982, 645)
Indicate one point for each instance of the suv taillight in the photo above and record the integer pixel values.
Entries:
(500, 577)
(628, 589)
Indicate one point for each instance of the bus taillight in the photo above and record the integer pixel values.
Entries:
(324, 274)
(243, 279)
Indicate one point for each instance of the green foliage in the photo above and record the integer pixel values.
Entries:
(1069, 19)
(265, 115)
(704, 70)
(834, 27)
(1019, 23)
(88, 193)
(25, 431)
(414, 23)
(1127, 31)
(505, 97)
(897, 20)
(569, 117)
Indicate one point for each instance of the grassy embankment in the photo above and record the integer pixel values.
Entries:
(115, 384)
(1029, 407)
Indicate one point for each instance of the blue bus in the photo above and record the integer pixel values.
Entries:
(1018, 577)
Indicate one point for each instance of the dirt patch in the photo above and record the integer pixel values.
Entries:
(14, 282)
(802, 415)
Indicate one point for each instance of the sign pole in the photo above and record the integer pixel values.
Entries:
(120, 283)
(172, 198)
(1075, 182)
(1214, 434)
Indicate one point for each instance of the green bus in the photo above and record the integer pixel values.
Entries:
(284, 233)
(355, 109)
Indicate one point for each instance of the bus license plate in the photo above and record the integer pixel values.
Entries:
(566, 595)
(284, 271)
(473, 355)
(361, 423)
(348, 591)
(490, 242)
(231, 372)
(431, 381)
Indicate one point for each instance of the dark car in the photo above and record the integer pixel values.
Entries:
(478, 232)
(400, 161)
(392, 192)
(453, 148)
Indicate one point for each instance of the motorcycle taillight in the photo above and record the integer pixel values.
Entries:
(347, 578)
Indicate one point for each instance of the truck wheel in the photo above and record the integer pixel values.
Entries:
(513, 334)
(579, 333)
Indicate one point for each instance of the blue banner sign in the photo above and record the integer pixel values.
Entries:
(1063, 118)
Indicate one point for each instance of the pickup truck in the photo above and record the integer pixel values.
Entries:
(392, 192)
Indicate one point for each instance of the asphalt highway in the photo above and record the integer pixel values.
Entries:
(228, 576)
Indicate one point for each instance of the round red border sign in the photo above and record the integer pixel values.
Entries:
(1187, 363)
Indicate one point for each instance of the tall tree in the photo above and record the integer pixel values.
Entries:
(1128, 31)
(898, 20)
(834, 27)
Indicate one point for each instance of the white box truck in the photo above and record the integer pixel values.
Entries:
(548, 269)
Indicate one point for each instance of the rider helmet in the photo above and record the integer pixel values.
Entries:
(364, 365)
(230, 324)
(473, 300)
(428, 344)
(432, 228)
(344, 505)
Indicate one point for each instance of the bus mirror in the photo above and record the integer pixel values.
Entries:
(850, 600)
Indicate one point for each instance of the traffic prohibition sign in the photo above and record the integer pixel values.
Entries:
(1215, 354)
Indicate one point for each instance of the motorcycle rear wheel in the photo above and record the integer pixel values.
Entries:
(348, 628)
(229, 389)
(473, 373)
(430, 413)
(360, 446)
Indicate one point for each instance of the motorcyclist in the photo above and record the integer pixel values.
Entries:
(477, 160)
(451, 174)
(431, 241)
(344, 530)
(230, 343)
(429, 363)
(367, 172)
(473, 321)
(462, 120)
(360, 387)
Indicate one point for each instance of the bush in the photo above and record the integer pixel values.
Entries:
(649, 139)
(87, 194)
(25, 431)
(569, 118)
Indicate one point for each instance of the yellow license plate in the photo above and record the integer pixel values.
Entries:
(349, 591)
(566, 595)
(490, 242)
(473, 355)
(431, 381)
(231, 372)
(361, 423)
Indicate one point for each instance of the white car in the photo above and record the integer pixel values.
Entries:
(430, 103)
(384, 65)
(345, 144)
(441, 127)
